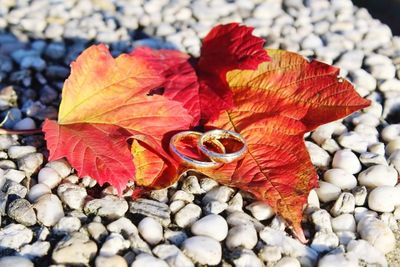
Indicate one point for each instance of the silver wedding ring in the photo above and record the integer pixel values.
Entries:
(216, 159)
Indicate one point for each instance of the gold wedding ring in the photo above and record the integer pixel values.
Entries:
(216, 159)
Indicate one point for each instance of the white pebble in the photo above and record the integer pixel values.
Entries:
(260, 210)
(344, 222)
(61, 166)
(247, 258)
(242, 235)
(377, 233)
(393, 146)
(212, 225)
(151, 230)
(49, 209)
(365, 252)
(327, 192)
(338, 259)
(378, 175)
(37, 191)
(319, 157)
(353, 141)
(312, 199)
(49, 177)
(321, 220)
(324, 241)
(16, 261)
(288, 262)
(187, 215)
(144, 259)
(344, 204)
(346, 160)
(203, 250)
(384, 198)
(340, 178)
(113, 261)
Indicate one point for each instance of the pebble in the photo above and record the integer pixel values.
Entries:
(365, 252)
(49, 177)
(322, 221)
(187, 215)
(25, 124)
(113, 261)
(30, 163)
(319, 157)
(61, 166)
(15, 261)
(113, 244)
(75, 249)
(327, 192)
(370, 159)
(17, 152)
(67, 224)
(241, 236)
(378, 175)
(191, 185)
(14, 236)
(220, 193)
(270, 253)
(338, 259)
(151, 208)
(151, 230)
(215, 207)
(247, 258)
(148, 260)
(360, 195)
(260, 210)
(212, 225)
(21, 211)
(97, 231)
(37, 249)
(353, 141)
(288, 262)
(346, 160)
(13, 175)
(203, 250)
(340, 178)
(344, 204)
(391, 132)
(344, 222)
(72, 195)
(377, 233)
(110, 207)
(384, 198)
(239, 218)
(37, 191)
(49, 209)
(324, 241)
(172, 255)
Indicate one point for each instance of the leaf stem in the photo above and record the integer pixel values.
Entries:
(32, 131)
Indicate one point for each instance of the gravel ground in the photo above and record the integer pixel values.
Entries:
(50, 216)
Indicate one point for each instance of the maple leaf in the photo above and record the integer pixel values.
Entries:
(103, 98)
(273, 107)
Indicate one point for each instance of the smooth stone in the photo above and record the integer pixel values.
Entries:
(175, 237)
(17, 152)
(49, 177)
(113, 261)
(215, 207)
(390, 220)
(212, 225)
(25, 124)
(17, 261)
(72, 195)
(378, 175)
(172, 255)
(151, 208)
(236, 203)
(14, 236)
(122, 226)
(338, 259)
(344, 204)
(351, 60)
(187, 215)
(319, 157)
(290, 246)
(393, 146)
(49, 209)
(344, 222)
(241, 236)
(238, 218)
(61, 166)
(288, 262)
(345, 237)
(260, 210)
(322, 221)
(21, 211)
(353, 141)
(144, 259)
(324, 241)
(176, 205)
(327, 192)
(365, 252)
(377, 233)
(113, 244)
(67, 224)
(13, 175)
(247, 258)
(151, 230)
(37, 191)
(182, 195)
(37, 249)
(191, 185)
(111, 207)
(346, 160)
(312, 199)
(340, 178)
(207, 184)
(97, 231)
(203, 250)
(74, 250)
(390, 132)
(30, 163)
(363, 79)
(360, 195)
(369, 159)
(394, 160)
(220, 193)
(384, 198)
(270, 253)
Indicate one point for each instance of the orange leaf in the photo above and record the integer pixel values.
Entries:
(274, 106)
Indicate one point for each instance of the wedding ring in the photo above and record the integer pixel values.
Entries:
(187, 161)
(218, 134)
